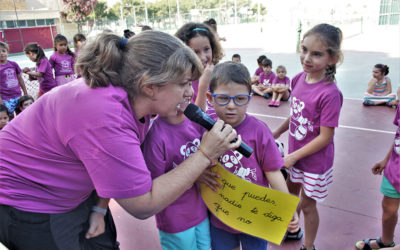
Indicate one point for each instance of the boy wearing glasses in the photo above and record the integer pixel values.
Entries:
(230, 94)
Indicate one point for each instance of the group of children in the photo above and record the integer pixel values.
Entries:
(57, 71)
(226, 89)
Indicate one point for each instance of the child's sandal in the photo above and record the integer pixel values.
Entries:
(304, 248)
(294, 236)
(367, 245)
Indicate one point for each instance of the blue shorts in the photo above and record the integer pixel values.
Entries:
(388, 190)
(11, 105)
(195, 238)
(223, 240)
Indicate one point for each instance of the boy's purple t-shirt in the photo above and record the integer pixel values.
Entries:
(392, 169)
(69, 142)
(285, 80)
(258, 71)
(9, 84)
(62, 64)
(195, 86)
(312, 106)
(266, 157)
(266, 79)
(166, 146)
(47, 81)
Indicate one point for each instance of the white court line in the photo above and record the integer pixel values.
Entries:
(340, 126)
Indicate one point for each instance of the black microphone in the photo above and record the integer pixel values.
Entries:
(195, 114)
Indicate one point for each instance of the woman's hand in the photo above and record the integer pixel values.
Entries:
(96, 225)
(219, 140)
(209, 178)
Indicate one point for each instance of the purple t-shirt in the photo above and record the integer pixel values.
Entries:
(166, 146)
(312, 106)
(258, 71)
(9, 84)
(62, 64)
(285, 80)
(266, 79)
(195, 86)
(47, 81)
(392, 169)
(266, 157)
(69, 142)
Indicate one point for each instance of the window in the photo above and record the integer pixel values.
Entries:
(389, 12)
(22, 23)
(49, 21)
(31, 23)
(40, 22)
(10, 24)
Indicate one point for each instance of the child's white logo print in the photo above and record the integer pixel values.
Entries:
(11, 80)
(65, 67)
(231, 159)
(189, 148)
(298, 124)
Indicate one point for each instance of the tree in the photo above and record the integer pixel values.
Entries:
(78, 10)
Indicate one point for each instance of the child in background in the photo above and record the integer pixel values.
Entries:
(4, 116)
(202, 40)
(79, 41)
(213, 24)
(259, 70)
(230, 94)
(379, 90)
(390, 188)
(63, 60)
(263, 88)
(280, 87)
(11, 81)
(315, 108)
(23, 102)
(236, 58)
(43, 72)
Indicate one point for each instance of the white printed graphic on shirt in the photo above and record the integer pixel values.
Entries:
(11, 80)
(188, 149)
(65, 66)
(299, 125)
(397, 142)
(231, 159)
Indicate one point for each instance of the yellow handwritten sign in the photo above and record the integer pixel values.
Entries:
(250, 208)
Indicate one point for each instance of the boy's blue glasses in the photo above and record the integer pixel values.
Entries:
(223, 100)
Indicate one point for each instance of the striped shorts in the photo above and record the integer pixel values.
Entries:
(315, 186)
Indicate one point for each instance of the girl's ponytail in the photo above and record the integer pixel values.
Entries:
(36, 49)
(100, 61)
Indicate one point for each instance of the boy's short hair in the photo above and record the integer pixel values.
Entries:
(266, 62)
(260, 59)
(4, 45)
(236, 56)
(229, 72)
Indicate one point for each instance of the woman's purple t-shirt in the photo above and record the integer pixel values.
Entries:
(166, 146)
(62, 64)
(9, 84)
(47, 81)
(392, 169)
(69, 142)
(312, 106)
(266, 157)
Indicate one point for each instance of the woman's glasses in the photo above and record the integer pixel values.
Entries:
(223, 100)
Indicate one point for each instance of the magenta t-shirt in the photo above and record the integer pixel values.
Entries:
(285, 80)
(9, 84)
(266, 79)
(392, 169)
(69, 142)
(258, 71)
(47, 81)
(312, 106)
(62, 64)
(195, 86)
(166, 146)
(266, 157)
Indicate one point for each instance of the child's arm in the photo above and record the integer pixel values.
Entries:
(35, 74)
(22, 84)
(322, 140)
(204, 82)
(371, 85)
(380, 166)
(389, 86)
(281, 129)
(277, 182)
(96, 219)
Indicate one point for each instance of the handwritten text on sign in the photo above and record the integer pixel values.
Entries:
(250, 208)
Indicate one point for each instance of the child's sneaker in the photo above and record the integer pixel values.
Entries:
(277, 103)
(272, 104)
